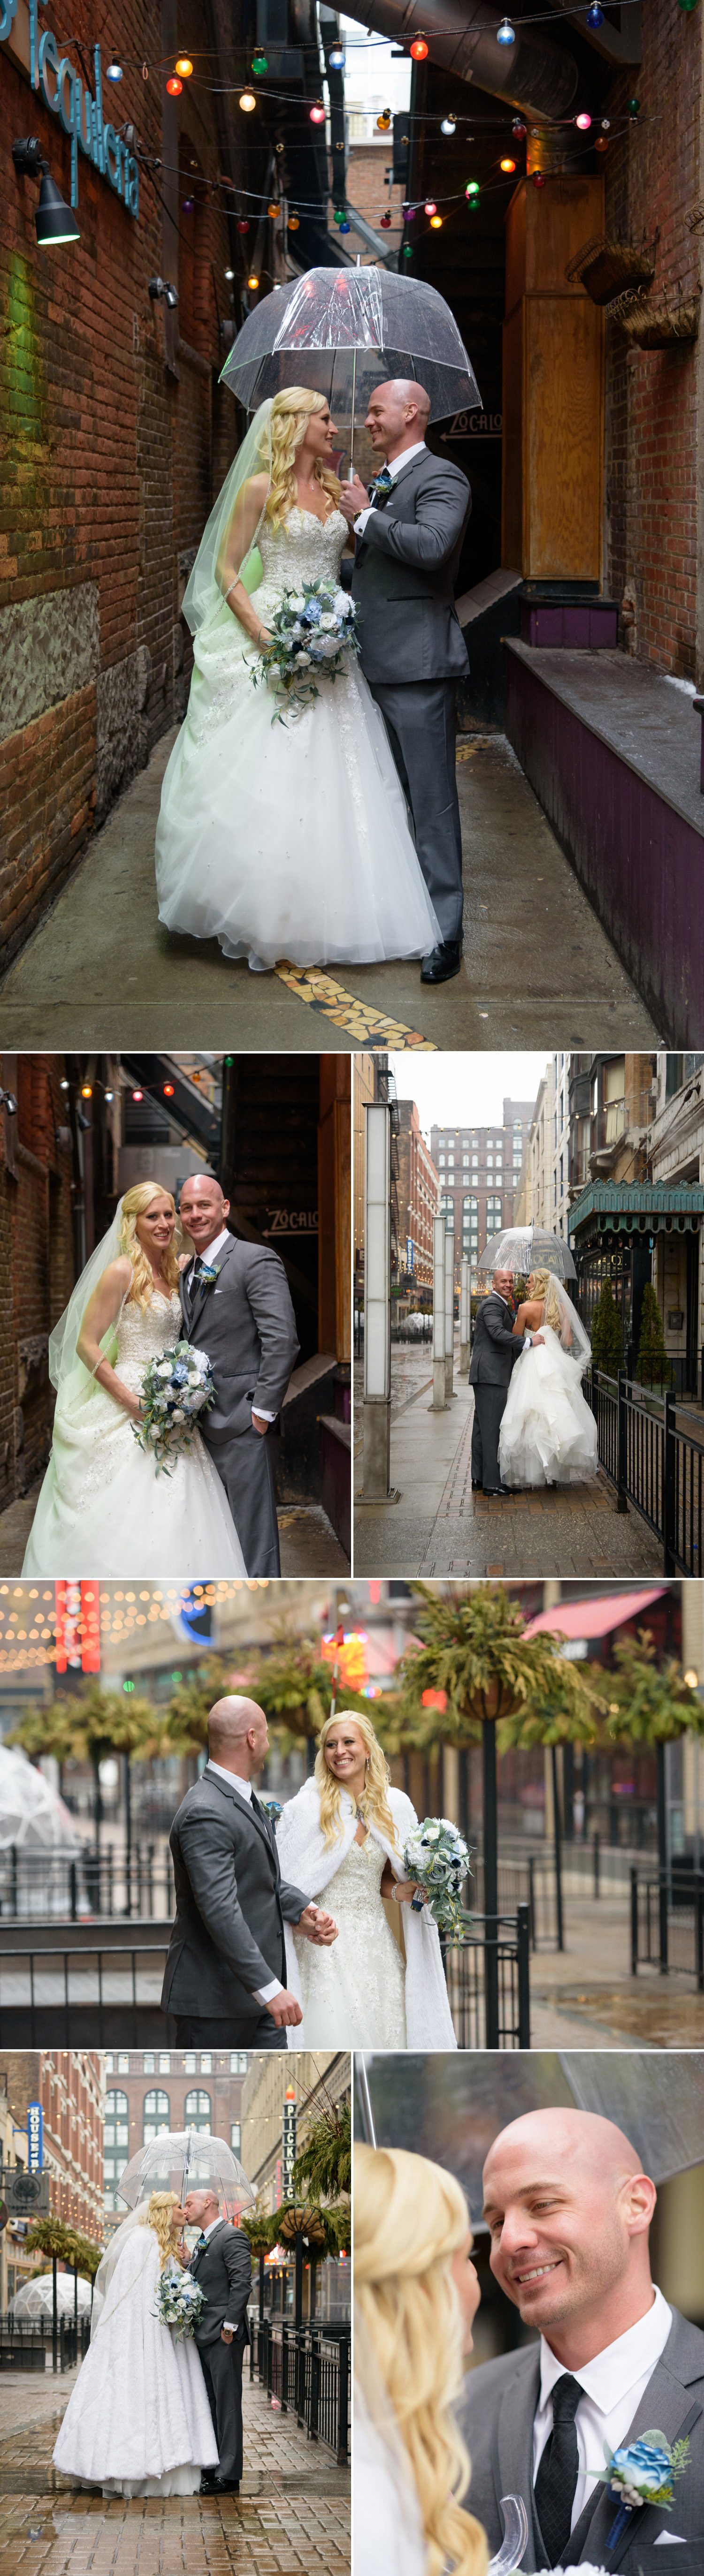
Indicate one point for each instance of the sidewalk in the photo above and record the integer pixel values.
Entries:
(536, 957)
(307, 1541)
(585, 1997)
(439, 1526)
(292, 2513)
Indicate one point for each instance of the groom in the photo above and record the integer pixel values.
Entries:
(568, 2212)
(408, 532)
(242, 1315)
(225, 1976)
(495, 1350)
(221, 2263)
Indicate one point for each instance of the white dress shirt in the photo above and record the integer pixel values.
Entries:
(263, 1994)
(613, 2385)
(407, 453)
(210, 1255)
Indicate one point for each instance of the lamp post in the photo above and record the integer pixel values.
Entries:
(449, 1303)
(377, 1304)
(439, 1399)
(465, 1319)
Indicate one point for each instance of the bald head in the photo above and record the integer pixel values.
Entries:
(203, 1209)
(568, 2210)
(237, 1735)
(398, 416)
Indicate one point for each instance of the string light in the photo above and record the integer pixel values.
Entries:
(407, 252)
(519, 130)
(472, 188)
(174, 86)
(435, 223)
(252, 282)
(448, 125)
(293, 224)
(538, 177)
(317, 113)
(272, 211)
(344, 226)
(507, 164)
(505, 34)
(247, 101)
(385, 223)
(419, 49)
(430, 206)
(259, 62)
(184, 66)
(583, 122)
(595, 15)
(633, 108)
(383, 122)
(243, 223)
(113, 70)
(336, 59)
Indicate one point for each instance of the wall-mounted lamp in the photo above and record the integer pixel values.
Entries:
(160, 290)
(54, 221)
(8, 1102)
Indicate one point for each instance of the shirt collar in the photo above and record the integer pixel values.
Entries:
(233, 1782)
(498, 1292)
(406, 457)
(613, 2371)
(215, 2222)
(213, 1248)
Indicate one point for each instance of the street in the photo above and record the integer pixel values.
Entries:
(538, 968)
(439, 1526)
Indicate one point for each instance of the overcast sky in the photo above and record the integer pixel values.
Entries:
(465, 1090)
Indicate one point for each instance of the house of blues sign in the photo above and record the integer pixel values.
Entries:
(55, 79)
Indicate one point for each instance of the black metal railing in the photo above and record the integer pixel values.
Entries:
(487, 1972)
(653, 1454)
(107, 1883)
(526, 1878)
(306, 2370)
(413, 1329)
(29, 2343)
(667, 1922)
(63, 1987)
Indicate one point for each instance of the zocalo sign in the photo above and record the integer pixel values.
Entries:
(55, 79)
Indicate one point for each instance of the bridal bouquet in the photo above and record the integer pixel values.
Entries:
(437, 1857)
(313, 628)
(641, 2472)
(179, 2302)
(175, 1388)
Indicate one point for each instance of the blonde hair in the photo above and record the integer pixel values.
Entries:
(374, 1802)
(133, 1205)
(544, 1287)
(158, 2217)
(290, 412)
(410, 2217)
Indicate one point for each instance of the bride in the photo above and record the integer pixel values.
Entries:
(138, 2421)
(282, 840)
(548, 1433)
(102, 1508)
(345, 1831)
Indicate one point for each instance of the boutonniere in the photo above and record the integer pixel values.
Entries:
(642, 2472)
(206, 1273)
(272, 1808)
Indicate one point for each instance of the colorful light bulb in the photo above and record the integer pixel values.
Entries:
(113, 69)
(317, 113)
(583, 122)
(247, 101)
(184, 66)
(505, 34)
(507, 163)
(419, 49)
(174, 86)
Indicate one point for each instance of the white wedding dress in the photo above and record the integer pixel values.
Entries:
(287, 841)
(353, 1994)
(102, 1508)
(138, 2421)
(548, 1434)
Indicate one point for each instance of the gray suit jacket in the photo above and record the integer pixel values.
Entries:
(231, 1904)
(495, 1348)
(496, 2415)
(223, 2269)
(246, 1324)
(405, 568)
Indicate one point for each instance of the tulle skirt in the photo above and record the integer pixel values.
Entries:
(548, 1434)
(286, 841)
(104, 1510)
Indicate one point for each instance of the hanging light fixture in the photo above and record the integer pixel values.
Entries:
(507, 164)
(419, 49)
(113, 69)
(336, 59)
(430, 207)
(435, 223)
(247, 101)
(55, 222)
(174, 86)
(253, 283)
(317, 113)
(448, 125)
(505, 34)
(184, 66)
(259, 63)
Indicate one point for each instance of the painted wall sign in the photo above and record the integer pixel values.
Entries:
(35, 2137)
(475, 424)
(55, 79)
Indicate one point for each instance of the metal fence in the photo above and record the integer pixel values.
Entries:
(111, 1882)
(487, 1973)
(667, 1922)
(652, 1451)
(306, 2369)
(29, 2343)
(63, 1989)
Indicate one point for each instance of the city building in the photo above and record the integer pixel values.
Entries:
(479, 1170)
(418, 1200)
(69, 2085)
(151, 2090)
(282, 2097)
(677, 1159)
(626, 1224)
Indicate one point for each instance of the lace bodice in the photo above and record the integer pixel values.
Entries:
(144, 1331)
(302, 549)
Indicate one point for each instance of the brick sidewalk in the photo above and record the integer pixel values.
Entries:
(291, 2516)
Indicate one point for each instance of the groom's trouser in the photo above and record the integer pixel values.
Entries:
(245, 1466)
(211, 2032)
(421, 719)
(489, 1404)
(222, 2371)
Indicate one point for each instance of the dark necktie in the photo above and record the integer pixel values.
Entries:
(559, 2469)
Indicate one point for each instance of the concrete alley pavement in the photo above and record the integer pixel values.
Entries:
(538, 968)
(439, 1526)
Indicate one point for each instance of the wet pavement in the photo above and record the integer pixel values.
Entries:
(538, 967)
(308, 1543)
(585, 1997)
(292, 2513)
(439, 1526)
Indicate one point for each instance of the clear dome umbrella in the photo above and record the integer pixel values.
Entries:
(525, 1248)
(186, 2160)
(345, 330)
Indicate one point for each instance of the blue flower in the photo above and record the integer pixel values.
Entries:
(313, 612)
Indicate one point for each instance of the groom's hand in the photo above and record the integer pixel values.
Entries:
(225, 2334)
(317, 1925)
(259, 1424)
(353, 498)
(284, 2009)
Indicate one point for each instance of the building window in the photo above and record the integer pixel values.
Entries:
(238, 2061)
(165, 2063)
(123, 2064)
(155, 2113)
(235, 2136)
(189, 2063)
(197, 2112)
(109, 2063)
(493, 1215)
(614, 1079)
(148, 2062)
(206, 2063)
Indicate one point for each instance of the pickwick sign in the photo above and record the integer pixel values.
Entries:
(56, 80)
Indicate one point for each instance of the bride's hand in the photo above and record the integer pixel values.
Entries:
(317, 1925)
(406, 1888)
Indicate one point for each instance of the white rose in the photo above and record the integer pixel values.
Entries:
(274, 670)
(303, 660)
(329, 645)
(327, 623)
(177, 1415)
(297, 629)
(342, 604)
(297, 605)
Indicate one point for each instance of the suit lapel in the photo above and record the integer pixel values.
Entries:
(512, 2448)
(246, 1807)
(664, 2404)
(201, 1295)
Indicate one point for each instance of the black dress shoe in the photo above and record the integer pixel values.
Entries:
(443, 962)
(226, 2486)
(505, 1491)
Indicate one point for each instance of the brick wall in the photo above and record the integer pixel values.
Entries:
(653, 180)
(112, 457)
(36, 1263)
